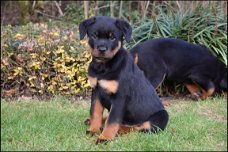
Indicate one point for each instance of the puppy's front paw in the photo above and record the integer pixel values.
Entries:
(105, 141)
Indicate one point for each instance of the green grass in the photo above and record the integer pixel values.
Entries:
(58, 125)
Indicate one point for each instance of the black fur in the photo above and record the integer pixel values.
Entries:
(180, 61)
(135, 100)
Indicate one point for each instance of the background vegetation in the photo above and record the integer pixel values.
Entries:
(42, 55)
(42, 59)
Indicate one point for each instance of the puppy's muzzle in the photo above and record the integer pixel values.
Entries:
(102, 49)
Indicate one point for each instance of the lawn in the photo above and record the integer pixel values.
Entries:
(58, 125)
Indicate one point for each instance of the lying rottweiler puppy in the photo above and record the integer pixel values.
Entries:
(183, 62)
(117, 83)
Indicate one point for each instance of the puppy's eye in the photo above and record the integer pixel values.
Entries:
(95, 36)
(112, 38)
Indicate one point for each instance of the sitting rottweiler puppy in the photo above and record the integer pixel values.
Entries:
(117, 83)
(183, 62)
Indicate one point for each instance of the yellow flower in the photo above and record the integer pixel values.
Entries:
(5, 61)
(63, 88)
(56, 34)
(41, 41)
(41, 85)
(51, 89)
(34, 55)
(40, 91)
(45, 31)
(44, 76)
(65, 38)
(31, 78)
(18, 71)
(35, 65)
(19, 36)
(42, 58)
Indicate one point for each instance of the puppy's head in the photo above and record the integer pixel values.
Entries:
(105, 35)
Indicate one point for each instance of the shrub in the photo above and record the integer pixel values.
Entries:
(43, 59)
(202, 26)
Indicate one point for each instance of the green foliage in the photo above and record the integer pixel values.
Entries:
(44, 126)
(202, 26)
(43, 59)
(75, 14)
(24, 11)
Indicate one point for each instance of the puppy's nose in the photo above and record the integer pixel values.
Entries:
(102, 49)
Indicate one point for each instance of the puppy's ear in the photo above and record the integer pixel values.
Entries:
(83, 26)
(124, 27)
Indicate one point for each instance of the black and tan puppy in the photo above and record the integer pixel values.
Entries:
(117, 83)
(183, 62)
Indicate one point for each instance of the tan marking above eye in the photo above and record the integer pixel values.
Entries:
(109, 85)
(92, 81)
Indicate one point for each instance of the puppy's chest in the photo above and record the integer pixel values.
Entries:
(109, 86)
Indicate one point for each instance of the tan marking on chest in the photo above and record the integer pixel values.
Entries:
(111, 86)
(92, 81)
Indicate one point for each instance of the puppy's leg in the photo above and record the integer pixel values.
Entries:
(194, 90)
(156, 122)
(96, 114)
(207, 93)
(113, 121)
(207, 85)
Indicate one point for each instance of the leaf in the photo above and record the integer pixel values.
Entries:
(9, 92)
(5, 61)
